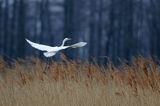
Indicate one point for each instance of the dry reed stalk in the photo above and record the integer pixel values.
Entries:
(133, 82)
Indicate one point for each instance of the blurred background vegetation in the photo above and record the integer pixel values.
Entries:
(112, 28)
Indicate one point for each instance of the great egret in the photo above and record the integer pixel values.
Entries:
(51, 51)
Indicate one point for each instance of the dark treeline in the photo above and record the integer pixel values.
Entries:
(112, 28)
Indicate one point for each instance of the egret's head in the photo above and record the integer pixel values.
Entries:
(66, 39)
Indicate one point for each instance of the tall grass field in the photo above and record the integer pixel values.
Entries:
(79, 83)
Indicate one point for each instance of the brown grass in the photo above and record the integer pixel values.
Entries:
(75, 83)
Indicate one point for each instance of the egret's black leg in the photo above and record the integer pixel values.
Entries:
(47, 66)
(49, 63)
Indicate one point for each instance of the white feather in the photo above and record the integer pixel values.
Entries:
(40, 46)
(78, 45)
(49, 54)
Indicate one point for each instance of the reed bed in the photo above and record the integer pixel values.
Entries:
(79, 83)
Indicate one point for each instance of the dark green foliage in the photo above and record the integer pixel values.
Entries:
(112, 28)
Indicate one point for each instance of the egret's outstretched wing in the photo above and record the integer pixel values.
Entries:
(39, 46)
(77, 45)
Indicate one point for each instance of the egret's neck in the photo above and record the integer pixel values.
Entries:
(63, 42)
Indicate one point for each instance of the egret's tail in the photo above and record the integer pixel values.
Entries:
(77, 45)
(49, 54)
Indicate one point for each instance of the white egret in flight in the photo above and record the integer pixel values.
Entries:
(51, 51)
